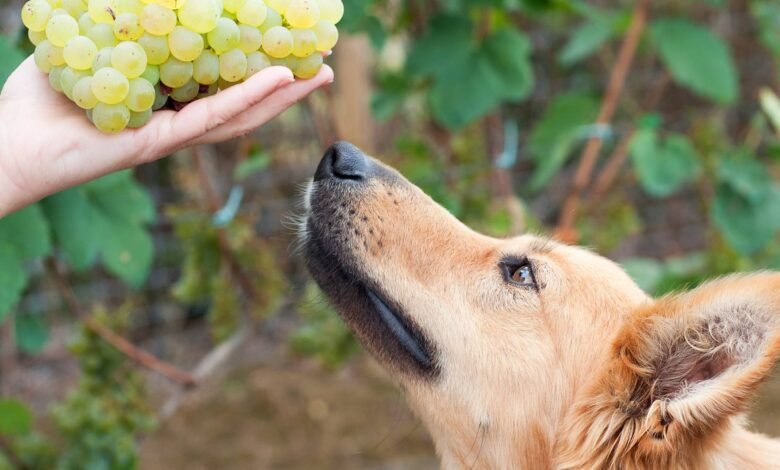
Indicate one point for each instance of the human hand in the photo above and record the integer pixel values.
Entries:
(47, 144)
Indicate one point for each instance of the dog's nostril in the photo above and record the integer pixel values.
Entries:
(343, 161)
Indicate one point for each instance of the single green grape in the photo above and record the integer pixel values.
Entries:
(127, 27)
(327, 35)
(129, 58)
(102, 35)
(151, 74)
(41, 56)
(304, 42)
(111, 118)
(110, 86)
(250, 39)
(272, 19)
(85, 24)
(206, 68)
(68, 79)
(75, 8)
(331, 10)
(175, 73)
(256, 61)
(308, 67)
(278, 42)
(83, 95)
(279, 6)
(101, 11)
(200, 16)
(139, 120)
(127, 6)
(160, 99)
(156, 48)
(186, 93)
(102, 59)
(302, 13)
(80, 52)
(36, 15)
(61, 29)
(225, 36)
(158, 20)
(36, 37)
(252, 12)
(232, 65)
(140, 96)
(185, 45)
(54, 78)
(230, 6)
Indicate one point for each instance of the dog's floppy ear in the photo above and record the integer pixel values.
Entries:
(680, 369)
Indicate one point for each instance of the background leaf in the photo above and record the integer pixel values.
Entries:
(10, 58)
(696, 58)
(15, 418)
(31, 332)
(13, 279)
(663, 165)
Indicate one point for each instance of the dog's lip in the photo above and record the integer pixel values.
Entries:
(400, 330)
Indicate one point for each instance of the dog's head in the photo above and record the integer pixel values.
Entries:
(527, 341)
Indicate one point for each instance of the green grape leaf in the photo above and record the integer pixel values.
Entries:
(31, 332)
(586, 40)
(557, 134)
(745, 175)
(13, 279)
(16, 418)
(746, 225)
(120, 196)
(126, 249)
(446, 47)
(663, 166)
(767, 16)
(27, 231)
(508, 52)
(106, 217)
(10, 58)
(71, 217)
(460, 98)
(697, 59)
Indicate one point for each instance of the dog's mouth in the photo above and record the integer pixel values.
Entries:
(380, 324)
(401, 331)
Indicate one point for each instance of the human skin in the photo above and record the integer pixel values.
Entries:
(47, 144)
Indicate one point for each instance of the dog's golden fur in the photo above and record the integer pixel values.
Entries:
(586, 371)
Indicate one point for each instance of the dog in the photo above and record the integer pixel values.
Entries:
(527, 353)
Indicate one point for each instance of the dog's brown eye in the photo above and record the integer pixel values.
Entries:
(520, 273)
(523, 275)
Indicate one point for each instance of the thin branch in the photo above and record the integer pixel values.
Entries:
(121, 344)
(214, 204)
(613, 166)
(617, 80)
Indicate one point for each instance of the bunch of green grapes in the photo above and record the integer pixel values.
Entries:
(120, 60)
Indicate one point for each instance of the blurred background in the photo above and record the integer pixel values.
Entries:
(646, 130)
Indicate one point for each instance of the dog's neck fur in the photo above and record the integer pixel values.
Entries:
(502, 445)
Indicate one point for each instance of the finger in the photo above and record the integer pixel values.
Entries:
(268, 109)
(22, 78)
(171, 131)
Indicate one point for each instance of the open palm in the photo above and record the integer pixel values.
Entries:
(47, 144)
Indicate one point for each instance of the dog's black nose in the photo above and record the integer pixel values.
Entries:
(343, 161)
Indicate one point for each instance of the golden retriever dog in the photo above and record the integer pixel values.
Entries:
(530, 354)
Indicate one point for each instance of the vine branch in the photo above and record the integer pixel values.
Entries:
(617, 80)
(214, 203)
(121, 344)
